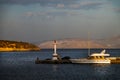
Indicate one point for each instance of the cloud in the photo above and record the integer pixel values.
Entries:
(73, 13)
(46, 15)
(86, 5)
(51, 14)
(74, 6)
(81, 4)
(116, 10)
(29, 14)
(63, 4)
(60, 5)
(42, 2)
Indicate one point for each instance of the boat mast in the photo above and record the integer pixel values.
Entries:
(88, 45)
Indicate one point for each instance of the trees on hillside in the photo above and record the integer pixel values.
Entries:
(15, 44)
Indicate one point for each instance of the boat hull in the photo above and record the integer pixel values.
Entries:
(90, 61)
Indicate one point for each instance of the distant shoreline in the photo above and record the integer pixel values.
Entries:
(79, 48)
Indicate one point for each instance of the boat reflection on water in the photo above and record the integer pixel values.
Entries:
(102, 69)
(101, 65)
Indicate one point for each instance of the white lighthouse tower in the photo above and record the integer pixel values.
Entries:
(55, 55)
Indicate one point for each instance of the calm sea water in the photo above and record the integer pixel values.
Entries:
(21, 66)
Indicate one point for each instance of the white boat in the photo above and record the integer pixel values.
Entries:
(93, 58)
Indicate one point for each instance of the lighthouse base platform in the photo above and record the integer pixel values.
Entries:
(64, 60)
(53, 62)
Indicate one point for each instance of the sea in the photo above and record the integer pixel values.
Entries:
(21, 66)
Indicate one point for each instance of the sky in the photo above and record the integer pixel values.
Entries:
(44, 20)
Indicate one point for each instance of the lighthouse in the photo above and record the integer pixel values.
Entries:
(55, 55)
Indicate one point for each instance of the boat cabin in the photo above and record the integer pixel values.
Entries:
(101, 55)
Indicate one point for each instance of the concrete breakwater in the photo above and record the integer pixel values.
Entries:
(114, 60)
(64, 60)
(53, 62)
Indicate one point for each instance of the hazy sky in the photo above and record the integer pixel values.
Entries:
(39, 20)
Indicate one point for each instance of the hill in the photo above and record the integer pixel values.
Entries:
(83, 43)
(6, 45)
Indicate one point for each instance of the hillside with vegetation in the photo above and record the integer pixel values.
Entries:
(113, 42)
(6, 45)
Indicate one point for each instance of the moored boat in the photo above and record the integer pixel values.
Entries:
(93, 58)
